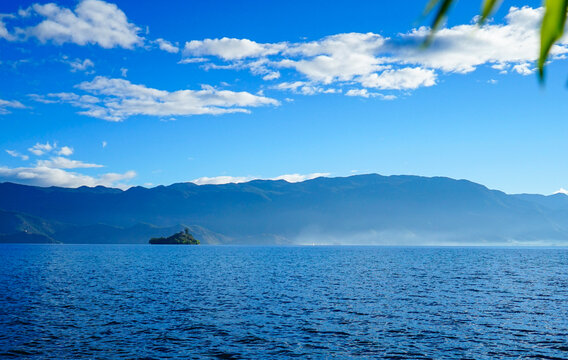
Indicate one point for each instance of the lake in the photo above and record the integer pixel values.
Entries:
(230, 302)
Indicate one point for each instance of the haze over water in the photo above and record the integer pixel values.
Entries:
(112, 301)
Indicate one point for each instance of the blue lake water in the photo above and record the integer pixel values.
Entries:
(112, 301)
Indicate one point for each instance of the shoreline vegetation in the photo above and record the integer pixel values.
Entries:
(180, 238)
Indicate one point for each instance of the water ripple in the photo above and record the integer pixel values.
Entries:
(142, 302)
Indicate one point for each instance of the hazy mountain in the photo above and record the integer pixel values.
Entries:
(365, 209)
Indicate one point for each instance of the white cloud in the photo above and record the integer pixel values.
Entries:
(5, 104)
(339, 57)
(40, 149)
(463, 48)
(523, 69)
(41, 99)
(65, 163)
(167, 46)
(16, 154)
(311, 90)
(561, 191)
(65, 150)
(230, 49)
(218, 180)
(400, 79)
(259, 67)
(305, 88)
(3, 31)
(192, 60)
(123, 72)
(71, 98)
(91, 22)
(104, 144)
(500, 66)
(293, 178)
(25, 12)
(80, 65)
(48, 176)
(118, 99)
(366, 94)
(4, 34)
(294, 86)
(359, 92)
(55, 171)
(271, 76)
(374, 61)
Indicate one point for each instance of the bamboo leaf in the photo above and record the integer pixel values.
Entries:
(551, 30)
(430, 6)
(487, 9)
(440, 16)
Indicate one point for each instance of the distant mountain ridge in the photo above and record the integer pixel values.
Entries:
(362, 209)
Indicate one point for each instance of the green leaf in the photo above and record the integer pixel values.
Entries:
(551, 30)
(487, 9)
(430, 6)
(440, 16)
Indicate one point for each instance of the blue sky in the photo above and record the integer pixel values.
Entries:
(147, 93)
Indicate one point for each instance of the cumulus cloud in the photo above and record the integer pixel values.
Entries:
(339, 57)
(400, 79)
(167, 46)
(49, 176)
(463, 48)
(91, 22)
(358, 92)
(6, 104)
(373, 61)
(65, 150)
(118, 99)
(561, 191)
(39, 149)
(230, 49)
(218, 180)
(57, 169)
(523, 69)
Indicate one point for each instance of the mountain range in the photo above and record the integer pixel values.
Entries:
(362, 209)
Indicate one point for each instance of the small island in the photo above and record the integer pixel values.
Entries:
(181, 238)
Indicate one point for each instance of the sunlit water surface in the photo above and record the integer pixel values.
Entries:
(105, 301)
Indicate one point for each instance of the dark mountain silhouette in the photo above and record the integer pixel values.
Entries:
(180, 238)
(365, 209)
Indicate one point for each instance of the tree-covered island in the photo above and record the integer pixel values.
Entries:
(180, 238)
